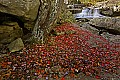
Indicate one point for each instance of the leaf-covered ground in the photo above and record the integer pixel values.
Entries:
(74, 54)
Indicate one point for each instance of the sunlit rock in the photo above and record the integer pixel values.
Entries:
(16, 45)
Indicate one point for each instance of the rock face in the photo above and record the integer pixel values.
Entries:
(17, 18)
(16, 45)
(22, 11)
(9, 32)
(27, 9)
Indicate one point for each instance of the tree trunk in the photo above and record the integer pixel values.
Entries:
(48, 14)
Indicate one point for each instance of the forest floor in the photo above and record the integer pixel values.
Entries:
(70, 54)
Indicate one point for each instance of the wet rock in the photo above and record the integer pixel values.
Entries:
(16, 45)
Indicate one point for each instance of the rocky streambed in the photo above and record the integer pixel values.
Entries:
(108, 28)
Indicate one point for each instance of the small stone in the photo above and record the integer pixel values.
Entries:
(16, 45)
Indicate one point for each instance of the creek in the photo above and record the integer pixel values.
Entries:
(89, 13)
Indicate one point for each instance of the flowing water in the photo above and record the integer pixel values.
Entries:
(89, 13)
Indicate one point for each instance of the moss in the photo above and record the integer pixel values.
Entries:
(66, 16)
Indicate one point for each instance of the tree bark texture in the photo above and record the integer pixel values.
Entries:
(49, 11)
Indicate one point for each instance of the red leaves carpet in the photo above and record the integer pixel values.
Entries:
(69, 54)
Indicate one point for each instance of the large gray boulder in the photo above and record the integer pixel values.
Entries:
(27, 9)
(109, 28)
(112, 25)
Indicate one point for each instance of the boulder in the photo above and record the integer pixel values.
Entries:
(109, 28)
(17, 18)
(24, 11)
(9, 32)
(110, 37)
(111, 25)
(16, 45)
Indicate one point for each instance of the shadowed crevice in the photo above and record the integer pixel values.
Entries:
(4, 17)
